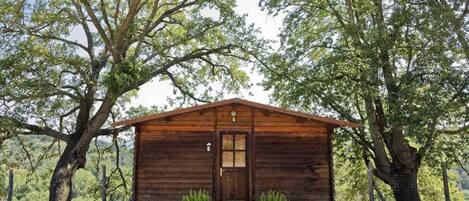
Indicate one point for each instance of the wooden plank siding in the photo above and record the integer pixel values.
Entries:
(289, 154)
(294, 164)
(171, 164)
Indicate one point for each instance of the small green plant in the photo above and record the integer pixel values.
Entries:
(200, 195)
(273, 196)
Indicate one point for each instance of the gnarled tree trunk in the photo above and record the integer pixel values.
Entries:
(74, 155)
(404, 185)
(61, 182)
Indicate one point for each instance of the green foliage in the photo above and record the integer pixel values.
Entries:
(350, 179)
(69, 68)
(273, 196)
(200, 195)
(141, 111)
(379, 64)
(32, 183)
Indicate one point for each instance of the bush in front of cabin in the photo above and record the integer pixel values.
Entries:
(273, 196)
(200, 195)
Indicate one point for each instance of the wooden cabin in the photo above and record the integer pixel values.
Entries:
(234, 149)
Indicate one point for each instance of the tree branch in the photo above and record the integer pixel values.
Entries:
(122, 30)
(381, 160)
(28, 155)
(169, 12)
(45, 36)
(461, 130)
(37, 130)
(429, 142)
(86, 28)
(51, 37)
(108, 43)
(111, 131)
(180, 88)
(198, 53)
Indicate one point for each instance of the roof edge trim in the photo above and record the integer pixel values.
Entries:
(333, 122)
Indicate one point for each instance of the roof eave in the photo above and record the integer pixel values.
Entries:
(332, 122)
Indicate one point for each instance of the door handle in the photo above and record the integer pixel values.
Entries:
(221, 172)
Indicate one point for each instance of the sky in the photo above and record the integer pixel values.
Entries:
(156, 92)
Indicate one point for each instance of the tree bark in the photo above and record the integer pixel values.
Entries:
(70, 161)
(61, 181)
(74, 154)
(404, 185)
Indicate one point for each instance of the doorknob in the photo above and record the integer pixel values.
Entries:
(221, 172)
(209, 145)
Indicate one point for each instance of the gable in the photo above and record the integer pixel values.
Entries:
(224, 109)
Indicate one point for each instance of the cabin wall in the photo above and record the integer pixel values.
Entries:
(293, 163)
(171, 164)
(289, 154)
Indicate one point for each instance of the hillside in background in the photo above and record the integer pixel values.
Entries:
(41, 154)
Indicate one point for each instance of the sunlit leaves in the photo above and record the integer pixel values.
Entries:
(335, 53)
(73, 66)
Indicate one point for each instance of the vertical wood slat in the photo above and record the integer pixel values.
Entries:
(217, 188)
(251, 157)
(136, 159)
(330, 131)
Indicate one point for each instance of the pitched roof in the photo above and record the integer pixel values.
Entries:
(333, 122)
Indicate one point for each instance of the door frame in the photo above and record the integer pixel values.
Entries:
(218, 158)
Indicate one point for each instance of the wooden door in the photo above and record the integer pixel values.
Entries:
(233, 167)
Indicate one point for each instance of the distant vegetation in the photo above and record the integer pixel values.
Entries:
(24, 155)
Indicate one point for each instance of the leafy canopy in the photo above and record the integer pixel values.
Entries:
(61, 60)
(399, 68)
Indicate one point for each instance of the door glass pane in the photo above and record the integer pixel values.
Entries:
(227, 142)
(240, 142)
(227, 159)
(240, 159)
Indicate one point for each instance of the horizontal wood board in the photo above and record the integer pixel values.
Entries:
(290, 153)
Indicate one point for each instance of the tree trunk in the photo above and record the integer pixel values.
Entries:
(61, 182)
(74, 155)
(404, 186)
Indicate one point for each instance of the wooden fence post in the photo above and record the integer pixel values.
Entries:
(380, 194)
(10, 184)
(445, 181)
(103, 183)
(370, 182)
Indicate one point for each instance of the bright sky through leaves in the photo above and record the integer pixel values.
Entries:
(156, 93)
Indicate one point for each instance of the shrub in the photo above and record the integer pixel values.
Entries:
(200, 195)
(273, 196)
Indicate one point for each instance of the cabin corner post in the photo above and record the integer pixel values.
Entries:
(216, 187)
(135, 168)
(330, 132)
(251, 142)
